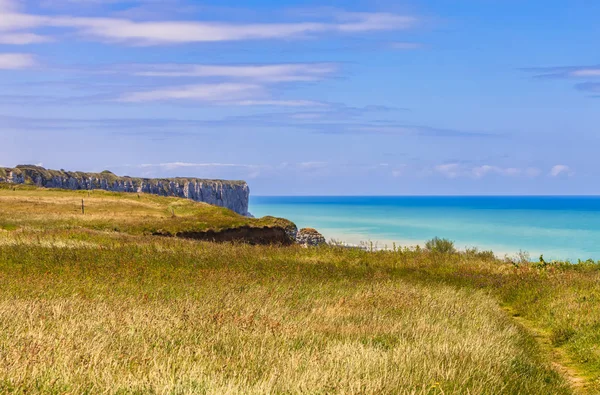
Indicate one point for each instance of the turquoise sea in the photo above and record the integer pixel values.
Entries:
(566, 228)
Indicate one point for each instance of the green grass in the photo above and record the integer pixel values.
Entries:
(85, 309)
(29, 207)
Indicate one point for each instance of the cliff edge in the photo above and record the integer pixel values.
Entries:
(233, 195)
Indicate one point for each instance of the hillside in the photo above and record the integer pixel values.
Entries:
(96, 302)
(32, 208)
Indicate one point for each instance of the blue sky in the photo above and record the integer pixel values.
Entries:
(353, 98)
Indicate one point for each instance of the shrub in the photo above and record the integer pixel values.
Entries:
(443, 246)
(477, 253)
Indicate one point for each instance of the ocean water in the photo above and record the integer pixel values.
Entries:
(566, 228)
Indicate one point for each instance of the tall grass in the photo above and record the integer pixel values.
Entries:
(116, 313)
(87, 310)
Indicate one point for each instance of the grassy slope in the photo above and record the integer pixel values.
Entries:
(88, 310)
(127, 212)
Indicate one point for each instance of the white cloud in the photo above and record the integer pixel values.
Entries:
(586, 73)
(7, 5)
(239, 85)
(179, 32)
(12, 24)
(226, 92)
(560, 170)
(264, 73)
(450, 170)
(365, 21)
(232, 94)
(280, 103)
(312, 165)
(566, 72)
(307, 116)
(15, 21)
(455, 170)
(22, 38)
(15, 61)
(481, 171)
(186, 32)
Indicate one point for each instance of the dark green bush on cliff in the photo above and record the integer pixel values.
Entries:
(443, 246)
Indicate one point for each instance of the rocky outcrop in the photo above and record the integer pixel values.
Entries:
(291, 230)
(233, 195)
(310, 237)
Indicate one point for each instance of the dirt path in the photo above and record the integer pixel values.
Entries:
(559, 358)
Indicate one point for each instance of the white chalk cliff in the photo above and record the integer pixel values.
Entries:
(233, 195)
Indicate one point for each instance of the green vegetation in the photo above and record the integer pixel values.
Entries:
(137, 214)
(85, 308)
(441, 246)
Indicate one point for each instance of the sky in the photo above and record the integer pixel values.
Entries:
(377, 97)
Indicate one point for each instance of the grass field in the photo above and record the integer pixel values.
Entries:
(139, 214)
(91, 305)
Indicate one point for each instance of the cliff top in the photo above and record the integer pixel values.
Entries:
(30, 172)
(54, 210)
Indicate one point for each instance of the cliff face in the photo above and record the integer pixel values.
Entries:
(233, 195)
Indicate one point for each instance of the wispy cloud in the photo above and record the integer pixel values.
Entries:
(589, 73)
(397, 128)
(180, 32)
(455, 170)
(312, 165)
(280, 103)
(560, 170)
(257, 72)
(22, 38)
(481, 171)
(450, 170)
(241, 85)
(231, 94)
(227, 92)
(320, 118)
(8, 5)
(565, 72)
(13, 61)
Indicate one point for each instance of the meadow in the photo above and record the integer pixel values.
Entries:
(94, 303)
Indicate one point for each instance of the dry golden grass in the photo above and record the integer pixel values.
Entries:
(97, 311)
(132, 213)
(142, 314)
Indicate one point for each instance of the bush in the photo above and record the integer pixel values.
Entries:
(443, 246)
(477, 253)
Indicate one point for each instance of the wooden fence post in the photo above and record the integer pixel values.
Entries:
(82, 207)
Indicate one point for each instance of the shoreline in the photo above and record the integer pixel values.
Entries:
(354, 240)
(560, 229)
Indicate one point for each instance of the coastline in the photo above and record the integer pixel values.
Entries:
(560, 228)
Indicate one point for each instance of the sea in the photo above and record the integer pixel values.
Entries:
(559, 227)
